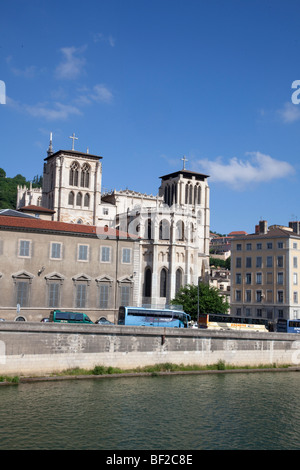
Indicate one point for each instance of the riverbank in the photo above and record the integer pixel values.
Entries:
(101, 372)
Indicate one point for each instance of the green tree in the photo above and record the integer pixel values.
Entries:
(209, 300)
(8, 188)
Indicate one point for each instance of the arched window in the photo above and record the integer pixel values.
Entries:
(85, 176)
(191, 194)
(186, 193)
(164, 230)
(148, 282)
(79, 199)
(197, 194)
(163, 283)
(86, 200)
(148, 229)
(191, 232)
(180, 230)
(71, 198)
(74, 174)
(178, 280)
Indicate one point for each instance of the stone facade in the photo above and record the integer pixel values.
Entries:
(172, 227)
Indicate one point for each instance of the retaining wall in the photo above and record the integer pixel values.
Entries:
(41, 348)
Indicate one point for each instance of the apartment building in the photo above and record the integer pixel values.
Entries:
(265, 273)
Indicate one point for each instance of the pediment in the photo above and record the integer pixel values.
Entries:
(22, 275)
(104, 278)
(55, 277)
(81, 278)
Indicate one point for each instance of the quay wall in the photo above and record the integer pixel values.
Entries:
(32, 348)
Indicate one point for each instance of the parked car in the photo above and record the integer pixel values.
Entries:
(103, 321)
(20, 318)
(2, 319)
(45, 320)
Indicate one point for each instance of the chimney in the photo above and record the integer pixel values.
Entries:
(295, 226)
(262, 227)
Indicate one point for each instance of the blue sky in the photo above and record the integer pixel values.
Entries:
(144, 82)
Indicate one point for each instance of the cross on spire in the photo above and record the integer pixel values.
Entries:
(184, 159)
(73, 138)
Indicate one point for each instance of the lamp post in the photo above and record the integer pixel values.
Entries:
(198, 304)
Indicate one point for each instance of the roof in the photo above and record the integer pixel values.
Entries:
(237, 232)
(33, 208)
(37, 225)
(275, 232)
(187, 174)
(14, 213)
(73, 153)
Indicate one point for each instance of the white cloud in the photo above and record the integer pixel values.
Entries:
(58, 111)
(97, 37)
(99, 94)
(290, 113)
(30, 71)
(72, 64)
(55, 111)
(239, 173)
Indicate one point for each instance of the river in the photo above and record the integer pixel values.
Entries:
(191, 412)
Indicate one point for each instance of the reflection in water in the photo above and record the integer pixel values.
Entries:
(229, 411)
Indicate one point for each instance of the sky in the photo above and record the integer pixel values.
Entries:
(143, 83)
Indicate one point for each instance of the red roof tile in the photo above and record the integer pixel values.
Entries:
(52, 226)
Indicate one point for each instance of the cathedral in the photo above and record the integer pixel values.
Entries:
(171, 229)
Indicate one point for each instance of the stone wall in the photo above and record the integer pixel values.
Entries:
(40, 348)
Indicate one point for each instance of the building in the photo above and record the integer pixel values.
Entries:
(49, 264)
(265, 273)
(168, 233)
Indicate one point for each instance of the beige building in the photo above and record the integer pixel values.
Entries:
(265, 273)
(46, 265)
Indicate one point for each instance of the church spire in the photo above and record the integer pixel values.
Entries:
(50, 150)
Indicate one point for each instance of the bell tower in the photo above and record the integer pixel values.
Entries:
(72, 185)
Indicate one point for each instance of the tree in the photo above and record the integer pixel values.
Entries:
(8, 188)
(209, 300)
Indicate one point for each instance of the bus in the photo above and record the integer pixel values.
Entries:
(139, 316)
(68, 317)
(288, 326)
(227, 322)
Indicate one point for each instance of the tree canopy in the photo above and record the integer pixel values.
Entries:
(8, 188)
(209, 300)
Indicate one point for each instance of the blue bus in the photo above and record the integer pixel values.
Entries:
(288, 326)
(139, 316)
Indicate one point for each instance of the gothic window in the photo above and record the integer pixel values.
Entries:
(163, 283)
(164, 230)
(148, 282)
(71, 198)
(191, 231)
(186, 193)
(191, 194)
(74, 174)
(178, 280)
(86, 200)
(85, 176)
(148, 231)
(180, 230)
(166, 195)
(79, 199)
